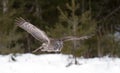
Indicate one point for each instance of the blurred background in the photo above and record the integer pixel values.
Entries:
(59, 18)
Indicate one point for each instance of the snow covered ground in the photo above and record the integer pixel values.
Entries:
(56, 63)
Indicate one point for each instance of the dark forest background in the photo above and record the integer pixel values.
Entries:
(59, 18)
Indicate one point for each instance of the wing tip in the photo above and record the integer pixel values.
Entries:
(19, 21)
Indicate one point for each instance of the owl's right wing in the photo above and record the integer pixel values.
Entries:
(34, 31)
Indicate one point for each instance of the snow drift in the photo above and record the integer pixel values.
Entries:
(56, 63)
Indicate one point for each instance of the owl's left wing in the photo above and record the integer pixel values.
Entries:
(70, 38)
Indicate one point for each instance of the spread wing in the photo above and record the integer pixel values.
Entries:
(70, 38)
(34, 31)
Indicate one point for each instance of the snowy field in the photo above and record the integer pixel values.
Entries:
(56, 63)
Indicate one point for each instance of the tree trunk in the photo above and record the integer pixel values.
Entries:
(75, 24)
(38, 10)
(5, 6)
(28, 43)
(99, 50)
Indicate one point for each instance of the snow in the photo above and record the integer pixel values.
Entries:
(56, 63)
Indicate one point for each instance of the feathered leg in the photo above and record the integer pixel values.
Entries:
(37, 49)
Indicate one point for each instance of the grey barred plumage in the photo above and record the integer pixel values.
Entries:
(49, 44)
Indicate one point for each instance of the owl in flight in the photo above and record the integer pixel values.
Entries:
(48, 44)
